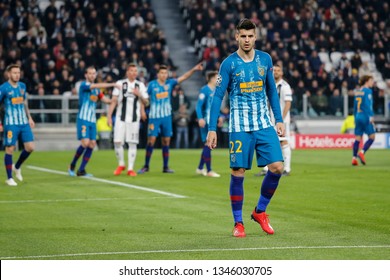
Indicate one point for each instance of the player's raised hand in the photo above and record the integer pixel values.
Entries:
(199, 66)
(211, 141)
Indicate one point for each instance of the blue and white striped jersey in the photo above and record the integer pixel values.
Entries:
(203, 106)
(13, 98)
(248, 85)
(87, 102)
(160, 98)
(363, 103)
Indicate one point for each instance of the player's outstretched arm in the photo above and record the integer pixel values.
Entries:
(106, 100)
(185, 76)
(105, 85)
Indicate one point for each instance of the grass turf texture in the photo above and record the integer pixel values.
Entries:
(326, 209)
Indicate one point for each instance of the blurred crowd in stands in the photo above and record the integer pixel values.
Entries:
(324, 45)
(55, 41)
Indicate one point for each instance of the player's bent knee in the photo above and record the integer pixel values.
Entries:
(238, 172)
(92, 144)
(29, 147)
(276, 167)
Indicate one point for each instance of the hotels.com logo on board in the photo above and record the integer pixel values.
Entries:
(318, 141)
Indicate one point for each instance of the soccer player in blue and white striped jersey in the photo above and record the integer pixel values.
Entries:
(203, 108)
(160, 113)
(247, 75)
(17, 121)
(364, 118)
(89, 94)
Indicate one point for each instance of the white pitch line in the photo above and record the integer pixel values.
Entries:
(109, 182)
(199, 250)
(75, 200)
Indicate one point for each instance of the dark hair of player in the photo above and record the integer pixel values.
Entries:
(162, 67)
(211, 74)
(245, 24)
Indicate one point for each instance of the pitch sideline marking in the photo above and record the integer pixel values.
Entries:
(197, 251)
(109, 182)
(76, 200)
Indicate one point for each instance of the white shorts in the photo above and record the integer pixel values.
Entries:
(286, 136)
(126, 132)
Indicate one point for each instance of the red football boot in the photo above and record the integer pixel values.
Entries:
(239, 230)
(262, 219)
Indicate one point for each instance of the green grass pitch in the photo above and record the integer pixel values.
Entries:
(326, 209)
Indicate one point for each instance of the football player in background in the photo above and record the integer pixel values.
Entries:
(89, 93)
(130, 102)
(17, 121)
(364, 118)
(203, 114)
(160, 114)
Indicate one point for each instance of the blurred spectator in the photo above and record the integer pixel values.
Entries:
(179, 98)
(353, 80)
(39, 104)
(104, 132)
(136, 20)
(336, 103)
(364, 69)
(193, 126)
(319, 102)
(181, 119)
(356, 61)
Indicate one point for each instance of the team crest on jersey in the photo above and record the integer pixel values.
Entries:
(166, 87)
(21, 91)
(233, 158)
(261, 70)
(219, 80)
